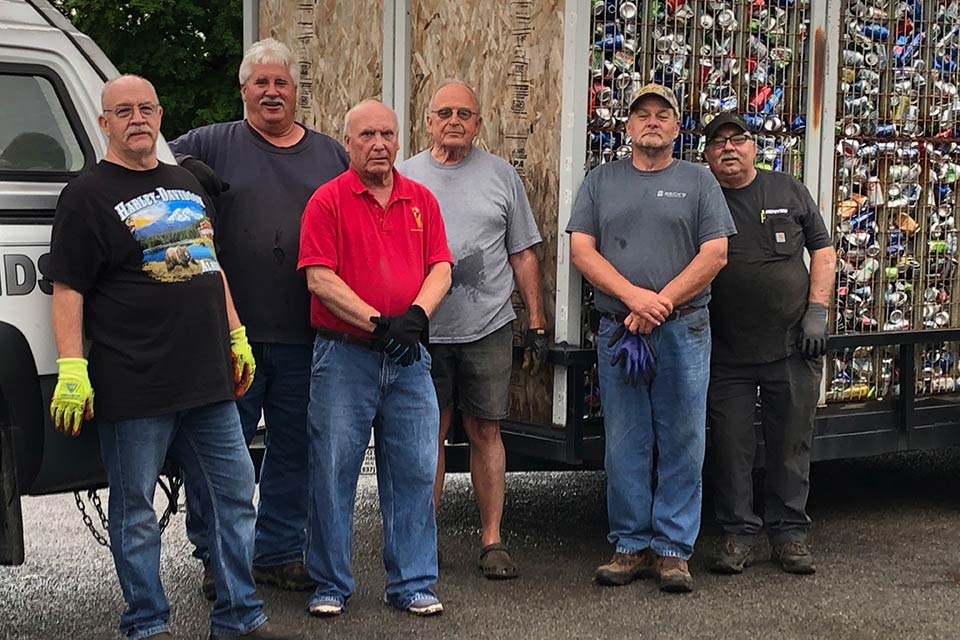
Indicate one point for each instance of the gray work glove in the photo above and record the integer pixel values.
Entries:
(813, 330)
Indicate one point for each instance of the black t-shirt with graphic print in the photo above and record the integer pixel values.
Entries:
(760, 296)
(139, 246)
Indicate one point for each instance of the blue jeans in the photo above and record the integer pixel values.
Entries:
(351, 389)
(657, 505)
(280, 389)
(208, 445)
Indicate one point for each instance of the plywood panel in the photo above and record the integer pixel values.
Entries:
(339, 44)
(511, 54)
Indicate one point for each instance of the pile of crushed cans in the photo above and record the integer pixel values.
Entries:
(897, 171)
(746, 56)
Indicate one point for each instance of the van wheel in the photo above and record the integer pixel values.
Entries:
(11, 517)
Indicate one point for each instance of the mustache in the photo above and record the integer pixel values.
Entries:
(272, 102)
(137, 129)
(729, 156)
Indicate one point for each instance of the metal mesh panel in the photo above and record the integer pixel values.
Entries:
(897, 167)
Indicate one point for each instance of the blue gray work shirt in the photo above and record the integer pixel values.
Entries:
(650, 224)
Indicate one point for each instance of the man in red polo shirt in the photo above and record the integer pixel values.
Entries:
(375, 253)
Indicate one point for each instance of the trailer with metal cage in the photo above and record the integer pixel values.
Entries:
(856, 98)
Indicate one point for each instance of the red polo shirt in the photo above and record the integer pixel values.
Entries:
(383, 254)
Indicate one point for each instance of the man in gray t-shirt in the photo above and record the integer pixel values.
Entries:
(491, 233)
(650, 233)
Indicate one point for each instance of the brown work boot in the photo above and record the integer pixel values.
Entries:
(624, 568)
(794, 557)
(291, 576)
(674, 575)
(733, 557)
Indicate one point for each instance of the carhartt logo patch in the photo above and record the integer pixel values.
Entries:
(780, 236)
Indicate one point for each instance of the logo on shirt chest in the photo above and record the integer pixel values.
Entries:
(671, 194)
(417, 218)
(772, 213)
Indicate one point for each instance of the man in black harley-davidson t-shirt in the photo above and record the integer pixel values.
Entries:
(133, 264)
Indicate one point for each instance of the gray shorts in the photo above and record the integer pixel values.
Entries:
(476, 373)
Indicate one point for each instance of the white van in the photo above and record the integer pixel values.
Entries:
(50, 79)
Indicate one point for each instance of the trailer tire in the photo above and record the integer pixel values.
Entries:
(11, 515)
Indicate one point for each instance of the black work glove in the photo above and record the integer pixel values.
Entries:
(206, 176)
(813, 330)
(399, 336)
(536, 346)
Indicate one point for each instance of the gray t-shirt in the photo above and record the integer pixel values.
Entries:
(650, 224)
(487, 218)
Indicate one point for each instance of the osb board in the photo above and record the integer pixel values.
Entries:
(339, 44)
(511, 53)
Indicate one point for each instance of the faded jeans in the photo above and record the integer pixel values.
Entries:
(208, 445)
(657, 504)
(351, 389)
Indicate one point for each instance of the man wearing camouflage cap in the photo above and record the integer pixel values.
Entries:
(650, 233)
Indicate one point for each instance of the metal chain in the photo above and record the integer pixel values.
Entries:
(172, 492)
(87, 521)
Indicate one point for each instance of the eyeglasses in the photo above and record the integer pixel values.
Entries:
(124, 111)
(462, 113)
(738, 141)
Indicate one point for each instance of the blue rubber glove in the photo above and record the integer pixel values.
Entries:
(634, 354)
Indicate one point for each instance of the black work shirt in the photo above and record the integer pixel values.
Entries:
(760, 296)
(258, 220)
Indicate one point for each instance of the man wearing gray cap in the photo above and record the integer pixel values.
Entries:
(769, 321)
(650, 233)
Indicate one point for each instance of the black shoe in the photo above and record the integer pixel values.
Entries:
(266, 631)
(208, 587)
(794, 557)
(733, 558)
(291, 576)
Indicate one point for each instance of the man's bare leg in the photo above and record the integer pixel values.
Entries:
(488, 464)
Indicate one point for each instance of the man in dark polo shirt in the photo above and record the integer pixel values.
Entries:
(377, 263)
(273, 165)
(769, 318)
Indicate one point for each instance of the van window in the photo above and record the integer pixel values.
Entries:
(35, 134)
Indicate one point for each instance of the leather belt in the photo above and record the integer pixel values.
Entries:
(348, 338)
(677, 313)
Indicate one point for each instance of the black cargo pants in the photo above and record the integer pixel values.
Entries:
(789, 390)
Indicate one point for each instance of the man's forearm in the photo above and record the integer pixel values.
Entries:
(66, 312)
(698, 274)
(434, 287)
(339, 298)
(233, 320)
(526, 271)
(823, 264)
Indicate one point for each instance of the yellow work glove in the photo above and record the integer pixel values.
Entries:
(72, 401)
(243, 363)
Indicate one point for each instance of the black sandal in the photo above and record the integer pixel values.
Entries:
(495, 562)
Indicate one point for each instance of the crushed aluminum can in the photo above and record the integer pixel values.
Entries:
(851, 58)
(781, 56)
(727, 20)
(772, 124)
(875, 192)
(628, 10)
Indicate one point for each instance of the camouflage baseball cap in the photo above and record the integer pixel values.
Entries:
(654, 89)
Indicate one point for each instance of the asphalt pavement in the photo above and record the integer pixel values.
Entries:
(886, 536)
